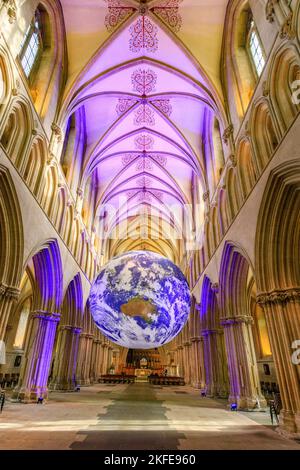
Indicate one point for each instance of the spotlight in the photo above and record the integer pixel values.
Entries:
(203, 394)
(40, 400)
(233, 407)
(77, 389)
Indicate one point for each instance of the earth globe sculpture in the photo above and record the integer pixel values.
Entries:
(140, 300)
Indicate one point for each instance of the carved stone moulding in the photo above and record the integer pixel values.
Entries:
(11, 10)
(228, 133)
(9, 292)
(287, 30)
(270, 10)
(234, 320)
(279, 296)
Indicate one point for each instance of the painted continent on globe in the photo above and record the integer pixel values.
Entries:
(140, 300)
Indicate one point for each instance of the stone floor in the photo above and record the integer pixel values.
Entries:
(138, 416)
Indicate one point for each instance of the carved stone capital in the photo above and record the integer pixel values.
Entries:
(57, 131)
(279, 296)
(215, 287)
(229, 321)
(74, 329)
(265, 89)
(270, 10)
(196, 339)
(43, 315)
(287, 31)
(11, 10)
(210, 331)
(9, 292)
(232, 160)
(228, 133)
(87, 335)
(205, 196)
(80, 193)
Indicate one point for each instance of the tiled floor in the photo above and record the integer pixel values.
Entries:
(135, 416)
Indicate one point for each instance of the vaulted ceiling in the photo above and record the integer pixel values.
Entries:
(146, 79)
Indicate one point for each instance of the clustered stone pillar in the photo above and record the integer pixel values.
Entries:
(96, 360)
(282, 311)
(104, 358)
(198, 370)
(8, 298)
(116, 361)
(215, 360)
(84, 359)
(180, 361)
(64, 373)
(34, 380)
(244, 381)
(187, 361)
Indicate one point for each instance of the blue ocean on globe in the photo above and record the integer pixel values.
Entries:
(140, 300)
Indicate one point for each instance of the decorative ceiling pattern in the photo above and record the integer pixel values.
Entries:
(144, 81)
(167, 11)
(143, 36)
(117, 13)
(146, 107)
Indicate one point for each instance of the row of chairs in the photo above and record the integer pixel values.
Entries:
(165, 380)
(269, 388)
(9, 380)
(117, 379)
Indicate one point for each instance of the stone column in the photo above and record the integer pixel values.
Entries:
(180, 361)
(109, 356)
(84, 359)
(94, 360)
(34, 379)
(117, 364)
(104, 358)
(99, 359)
(64, 374)
(198, 376)
(214, 360)
(282, 312)
(8, 298)
(243, 374)
(187, 362)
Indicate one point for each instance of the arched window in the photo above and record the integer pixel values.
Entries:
(32, 45)
(255, 48)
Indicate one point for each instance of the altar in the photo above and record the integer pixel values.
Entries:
(142, 374)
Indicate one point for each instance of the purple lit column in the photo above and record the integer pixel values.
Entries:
(243, 374)
(84, 359)
(64, 373)
(33, 383)
(214, 359)
(198, 379)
